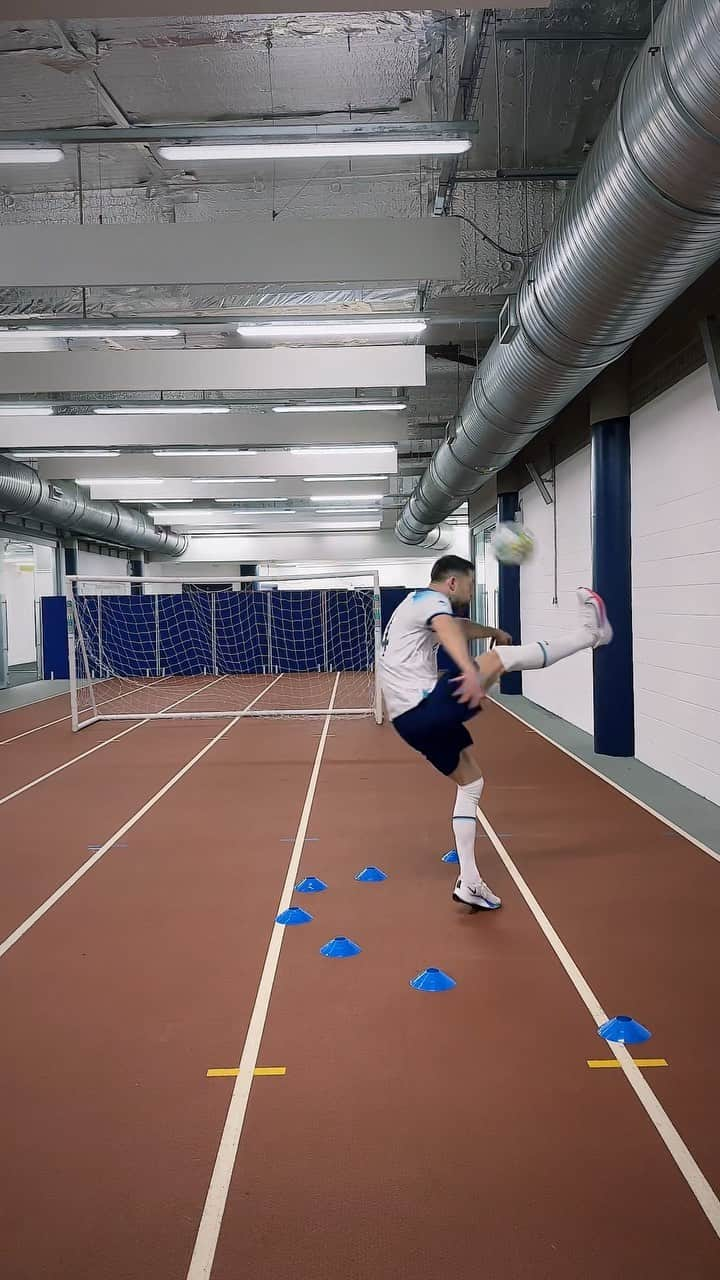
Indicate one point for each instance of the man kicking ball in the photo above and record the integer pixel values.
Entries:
(429, 709)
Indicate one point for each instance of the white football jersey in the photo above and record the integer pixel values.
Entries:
(408, 660)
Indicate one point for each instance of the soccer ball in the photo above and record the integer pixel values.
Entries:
(512, 544)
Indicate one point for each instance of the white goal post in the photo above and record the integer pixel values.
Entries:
(161, 648)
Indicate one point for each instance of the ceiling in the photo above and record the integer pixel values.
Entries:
(542, 84)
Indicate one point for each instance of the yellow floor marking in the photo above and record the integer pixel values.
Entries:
(639, 1062)
(259, 1071)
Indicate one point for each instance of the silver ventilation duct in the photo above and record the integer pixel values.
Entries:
(642, 223)
(66, 506)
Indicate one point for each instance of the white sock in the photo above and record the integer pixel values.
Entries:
(544, 653)
(464, 824)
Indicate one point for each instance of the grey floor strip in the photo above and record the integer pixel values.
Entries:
(24, 695)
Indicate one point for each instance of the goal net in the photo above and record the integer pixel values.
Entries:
(160, 648)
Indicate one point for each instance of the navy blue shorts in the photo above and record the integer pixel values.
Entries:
(436, 726)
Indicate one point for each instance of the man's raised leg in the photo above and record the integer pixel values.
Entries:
(595, 630)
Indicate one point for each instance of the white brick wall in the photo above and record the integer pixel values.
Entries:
(676, 584)
(565, 689)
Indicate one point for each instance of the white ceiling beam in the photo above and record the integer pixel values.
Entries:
(260, 464)
(241, 429)
(270, 369)
(323, 250)
(293, 487)
(339, 547)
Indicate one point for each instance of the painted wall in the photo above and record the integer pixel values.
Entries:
(675, 443)
(565, 689)
(92, 563)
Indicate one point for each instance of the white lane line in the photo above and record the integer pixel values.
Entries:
(685, 1161)
(712, 853)
(211, 1221)
(115, 738)
(61, 719)
(67, 885)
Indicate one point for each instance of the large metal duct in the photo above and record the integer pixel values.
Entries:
(642, 223)
(66, 506)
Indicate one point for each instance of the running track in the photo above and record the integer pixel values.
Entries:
(426, 1137)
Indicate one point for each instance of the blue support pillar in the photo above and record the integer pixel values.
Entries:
(613, 694)
(509, 592)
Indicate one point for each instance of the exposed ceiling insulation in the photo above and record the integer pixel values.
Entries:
(545, 83)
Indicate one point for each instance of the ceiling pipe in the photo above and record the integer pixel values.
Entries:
(66, 506)
(640, 225)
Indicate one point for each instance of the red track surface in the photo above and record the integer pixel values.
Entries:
(434, 1137)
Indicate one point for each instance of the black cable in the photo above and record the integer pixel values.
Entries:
(510, 253)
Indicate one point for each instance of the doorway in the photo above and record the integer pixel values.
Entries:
(27, 572)
(486, 576)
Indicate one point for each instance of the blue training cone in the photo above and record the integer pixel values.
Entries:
(433, 980)
(311, 884)
(624, 1030)
(340, 948)
(293, 915)
(371, 875)
(451, 856)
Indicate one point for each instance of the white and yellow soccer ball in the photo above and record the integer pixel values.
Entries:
(512, 543)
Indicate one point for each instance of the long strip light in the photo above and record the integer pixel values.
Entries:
(204, 453)
(357, 406)
(317, 451)
(31, 155)
(91, 332)
(230, 500)
(349, 149)
(118, 481)
(196, 515)
(180, 407)
(341, 479)
(346, 497)
(26, 410)
(233, 480)
(349, 524)
(333, 329)
(39, 454)
(326, 511)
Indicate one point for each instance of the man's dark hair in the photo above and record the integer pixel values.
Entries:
(447, 566)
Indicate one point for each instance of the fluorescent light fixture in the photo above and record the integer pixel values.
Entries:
(353, 147)
(181, 407)
(26, 410)
(341, 479)
(333, 329)
(318, 451)
(118, 481)
(30, 155)
(66, 453)
(205, 515)
(349, 524)
(250, 499)
(346, 497)
(326, 511)
(47, 331)
(358, 406)
(204, 453)
(233, 480)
